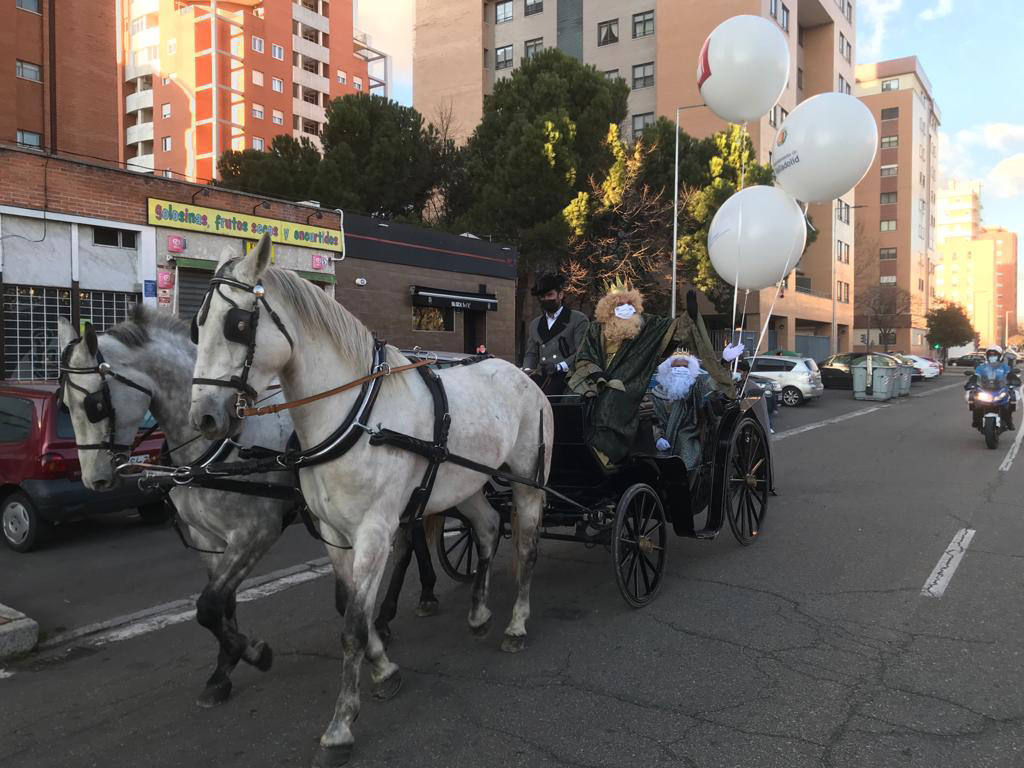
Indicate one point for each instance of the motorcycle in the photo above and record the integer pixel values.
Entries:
(991, 402)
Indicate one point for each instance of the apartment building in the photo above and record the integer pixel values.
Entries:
(898, 197)
(965, 274)
(58, 79)
(1007, 305)
(464, 46)
(273, 70)
(958, 210)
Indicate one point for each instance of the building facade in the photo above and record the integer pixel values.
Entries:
(958, 210)
(1005, 243)
(67, 102)
(464, 46)
(897, 200)
(273, 70)
(966, 274)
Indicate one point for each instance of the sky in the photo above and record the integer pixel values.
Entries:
(970, 50)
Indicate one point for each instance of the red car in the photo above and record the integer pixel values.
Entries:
(40, 477)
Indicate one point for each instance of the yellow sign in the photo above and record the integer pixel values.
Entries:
(165, 213)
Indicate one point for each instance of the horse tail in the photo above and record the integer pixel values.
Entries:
(432, 525)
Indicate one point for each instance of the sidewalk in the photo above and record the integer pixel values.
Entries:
(18, 633)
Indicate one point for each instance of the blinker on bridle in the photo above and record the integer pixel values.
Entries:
(240, 328)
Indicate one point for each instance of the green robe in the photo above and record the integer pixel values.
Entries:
(614, 391)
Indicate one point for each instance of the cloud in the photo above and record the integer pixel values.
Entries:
(875, 14)
(954, 156)
(1007, 178)
(942, 8)
(999, 137)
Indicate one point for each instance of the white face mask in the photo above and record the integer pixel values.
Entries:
(679, 371)
(625, 311)
(993, 359)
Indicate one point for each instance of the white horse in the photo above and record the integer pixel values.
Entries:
(498, 418)
(152, 351)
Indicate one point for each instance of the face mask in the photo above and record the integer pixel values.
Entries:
(550, 305)
(678, 371)
(625, 311)
(993, 359)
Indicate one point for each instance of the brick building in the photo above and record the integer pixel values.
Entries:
(86, 241)
(69, 102)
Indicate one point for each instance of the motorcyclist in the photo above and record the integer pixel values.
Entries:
(994, 370)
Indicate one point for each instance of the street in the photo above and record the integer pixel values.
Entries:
(856, 632)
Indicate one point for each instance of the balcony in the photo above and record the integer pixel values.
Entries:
(308, 111)
(144, 7)
(137, 133)
(147, 38)
(133, 71)
(308, 48)
(310, 18)
(140, 164)
(133, 102)
(311, 80)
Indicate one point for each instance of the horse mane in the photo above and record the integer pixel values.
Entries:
(136, 331)
(320, 313)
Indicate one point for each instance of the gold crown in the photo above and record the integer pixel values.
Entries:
(618, 285)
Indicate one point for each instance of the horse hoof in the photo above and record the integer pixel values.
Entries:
(215, 693)
(332, 757)
(265, 660)
(428, 607)
(481, 631)
(513, 643)
(387, 688)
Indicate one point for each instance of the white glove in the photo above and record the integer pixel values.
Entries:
(563, 367)
(731, 352)
(662, 444)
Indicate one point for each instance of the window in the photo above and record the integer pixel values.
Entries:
(640, 122)
(503, 12)
(891, 85)
(843, 212)
(890, 113)
(277, 117)
(844, 87)
(357, 83)
(643, 24)
(30, 139)
(887, 225)
(277, 51)
(783, 114)
(532, 47)
(165, 111)
(29, 5)
(799, 78)
(310, 96)
(433, 319)
(277, 84)
(889, 170)
(773, 116)
(773, 8)
(800, 36)
(165, 81)
(887, 279)
(257, 77)
(890, 142)
(784, 21)
(608, 32)
(487, 59)
(849, 10)
(612, 74)
(846, 293)
(115, 238)
(920, 284)
(257, 143)
(257, 111)
(27, 71)
(16, 419)
(534, 6)
(643, 75)
(842, 44)
(30, 329)
(311, 127)
(846, 253)
(887, 198)
(168, 173)
(343, 78)
(922, 205)
(172, 46)
(503, 57)
(257, 44)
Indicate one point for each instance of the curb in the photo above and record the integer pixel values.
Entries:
(18, 633)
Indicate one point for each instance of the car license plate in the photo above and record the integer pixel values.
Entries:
(138, 459)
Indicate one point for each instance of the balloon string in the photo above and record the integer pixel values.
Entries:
(739, 235)
(739, 330)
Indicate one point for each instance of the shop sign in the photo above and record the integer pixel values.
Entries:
(317, 261)
(165, 279)
(149, 288)
(175, 243)
(166, 213)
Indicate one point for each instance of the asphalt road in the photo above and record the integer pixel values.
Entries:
(814, 647)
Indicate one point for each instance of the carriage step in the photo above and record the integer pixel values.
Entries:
(705, 533)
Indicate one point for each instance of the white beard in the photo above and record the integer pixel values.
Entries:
(674, 386)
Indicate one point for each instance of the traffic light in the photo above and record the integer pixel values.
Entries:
(936, 346)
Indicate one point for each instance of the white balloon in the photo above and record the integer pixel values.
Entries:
(761, 231)
(825, 147)
(743, 68)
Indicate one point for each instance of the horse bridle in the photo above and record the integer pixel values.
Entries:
(239, 327)
(98, 405)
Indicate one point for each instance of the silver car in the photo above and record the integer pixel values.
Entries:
(798, 377)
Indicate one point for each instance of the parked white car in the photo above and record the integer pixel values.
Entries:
(798, 376)
(926, 368)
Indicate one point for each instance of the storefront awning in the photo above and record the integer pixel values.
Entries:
(436, 297)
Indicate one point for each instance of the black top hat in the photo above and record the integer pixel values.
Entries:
(550, 281)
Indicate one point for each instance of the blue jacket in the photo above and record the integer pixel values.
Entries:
(988, 371)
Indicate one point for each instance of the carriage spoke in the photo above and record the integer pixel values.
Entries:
(462, 537)
(463, 553)
(643, 572)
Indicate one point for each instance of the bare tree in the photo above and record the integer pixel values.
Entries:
(884, 307)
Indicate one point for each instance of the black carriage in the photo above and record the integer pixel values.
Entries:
(628, 509)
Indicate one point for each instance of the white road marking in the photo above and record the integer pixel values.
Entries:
(4, 674)
(168, 614)
(937, 389)
(818, 424)
(948, 563)
(1012, 453)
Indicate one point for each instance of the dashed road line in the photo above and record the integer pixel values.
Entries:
(937, 389)
(826, 422)
(948, 563)
(1012, 453)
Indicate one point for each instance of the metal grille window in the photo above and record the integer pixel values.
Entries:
(30, 330)
(533, 6)
(105, 309)
(643, 75)
(643, 24)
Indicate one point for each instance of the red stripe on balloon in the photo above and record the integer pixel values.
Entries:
(704, 64)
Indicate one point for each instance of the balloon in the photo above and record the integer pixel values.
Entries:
(760, 229)
(743, 68)
(825, 147)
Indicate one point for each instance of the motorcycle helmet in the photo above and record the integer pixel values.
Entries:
(994, 353)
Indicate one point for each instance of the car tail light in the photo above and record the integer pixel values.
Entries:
(53, 465)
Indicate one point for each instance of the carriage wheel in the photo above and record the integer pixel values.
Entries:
(639, 544)
(746, 477)
(456, 547)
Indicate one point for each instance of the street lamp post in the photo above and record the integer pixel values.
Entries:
(1006, 329)
(675, 209)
